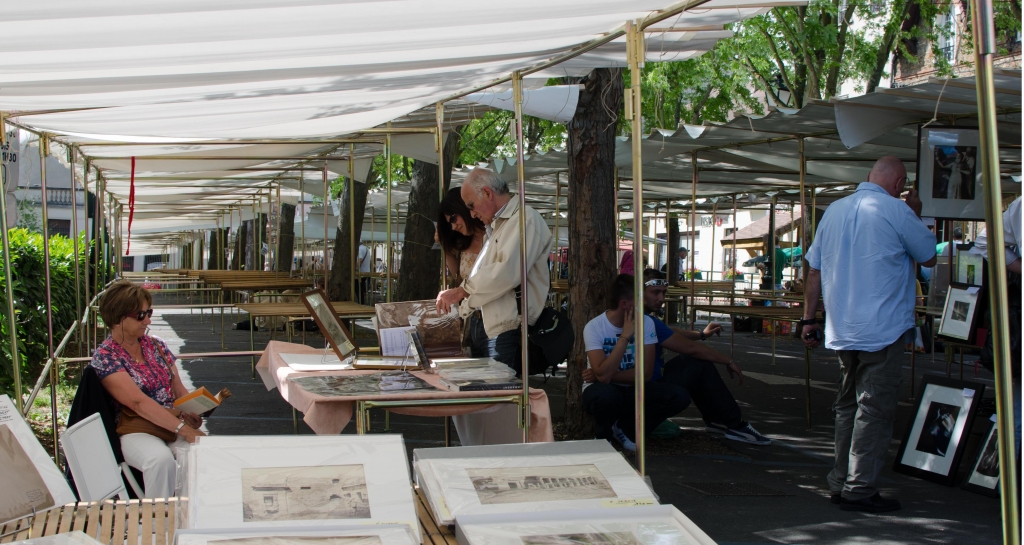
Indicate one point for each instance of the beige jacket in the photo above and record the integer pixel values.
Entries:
(492, 283)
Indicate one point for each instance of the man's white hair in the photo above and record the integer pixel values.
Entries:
(479, 178)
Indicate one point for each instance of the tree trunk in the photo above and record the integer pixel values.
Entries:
(591, 145)
(217, 239)
(420, 275)
(339, 288)
(894, 28)
(238, 260)
(253, 245)
(286, 239)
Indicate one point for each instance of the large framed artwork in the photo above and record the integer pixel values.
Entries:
(983, 477)
(960, 313)
(949, 173)
(384, 534)
(636, 525)
(267, 481)
(335, 332)
(935, 440)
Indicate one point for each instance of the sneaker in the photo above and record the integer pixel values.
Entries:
(874, 504)
(622, 439)
(746, 433)
(836, 498)
(716, 428)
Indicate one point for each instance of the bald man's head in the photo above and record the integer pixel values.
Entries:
(889, 173)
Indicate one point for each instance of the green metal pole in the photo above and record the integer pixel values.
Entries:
(12, 329)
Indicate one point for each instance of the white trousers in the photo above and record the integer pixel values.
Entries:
(155, 459)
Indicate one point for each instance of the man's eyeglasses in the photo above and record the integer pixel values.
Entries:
(141, 315)
(656, 283)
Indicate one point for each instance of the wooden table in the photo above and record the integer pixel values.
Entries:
(263, 284)
(152, 522)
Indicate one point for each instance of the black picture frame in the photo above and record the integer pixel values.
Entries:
(951, 326)
(977, 480)
(927, 451)
(947, 156)
(330, 325)
(969, 268)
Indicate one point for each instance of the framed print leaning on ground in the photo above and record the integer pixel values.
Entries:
(935, 440)
(949, 173)
(334, 331)
(959, 314)
(983, 476)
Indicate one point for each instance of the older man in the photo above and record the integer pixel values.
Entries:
(494, 284)
(862, 262)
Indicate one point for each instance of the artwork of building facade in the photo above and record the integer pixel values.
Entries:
(304, 493)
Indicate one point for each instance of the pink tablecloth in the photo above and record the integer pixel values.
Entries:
(330, 415)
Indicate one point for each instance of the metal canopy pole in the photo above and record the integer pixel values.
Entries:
(44, 152)
(12, 329)
(327, 197)
(984, 50)
(74, 246)
(439, 144)
(352, 253)
(388, 254)
(517, 99)
(803, 236)
(635, 56)
(89, 241)
(692, 226)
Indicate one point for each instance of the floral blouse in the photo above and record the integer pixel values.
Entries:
(152, 377)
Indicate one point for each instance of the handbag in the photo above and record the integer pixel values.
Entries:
(132, 422)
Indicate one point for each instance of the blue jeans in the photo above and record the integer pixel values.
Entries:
(616, 403)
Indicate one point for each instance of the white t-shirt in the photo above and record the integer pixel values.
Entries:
(364, 260)
(600, 334)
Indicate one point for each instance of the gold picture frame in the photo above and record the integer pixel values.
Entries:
(330, 325)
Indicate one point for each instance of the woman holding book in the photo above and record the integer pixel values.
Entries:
(138, 371)
(462, 237)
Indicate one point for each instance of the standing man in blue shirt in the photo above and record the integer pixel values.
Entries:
(862, 262)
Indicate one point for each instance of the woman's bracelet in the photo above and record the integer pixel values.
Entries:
(178, 429)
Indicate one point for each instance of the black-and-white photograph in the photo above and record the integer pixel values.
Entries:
(954, 172)
(938, 428)
(603, 538)
(304, 493)
(984, 475)
(936, 437)
(949, 174)
(533, 484)
(960, 309)
(302, 540)
(385, 382)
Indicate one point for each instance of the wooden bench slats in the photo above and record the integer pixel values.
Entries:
(151, 522)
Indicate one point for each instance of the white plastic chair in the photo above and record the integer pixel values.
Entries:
(92, 462)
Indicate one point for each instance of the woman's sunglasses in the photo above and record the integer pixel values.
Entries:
(141, 315)
(453, 220)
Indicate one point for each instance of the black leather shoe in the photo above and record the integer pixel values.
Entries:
(837, 498)
(874, 504)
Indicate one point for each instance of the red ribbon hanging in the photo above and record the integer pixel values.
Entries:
(131, 208)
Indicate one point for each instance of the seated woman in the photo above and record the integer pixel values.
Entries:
(139, 373)
(462, 237)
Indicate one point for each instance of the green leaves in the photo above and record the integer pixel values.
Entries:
(28, 285)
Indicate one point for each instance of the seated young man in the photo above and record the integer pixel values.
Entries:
(694, 370)
(609, 380)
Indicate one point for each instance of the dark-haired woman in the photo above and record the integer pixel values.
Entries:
(139, 373)
(462, 237)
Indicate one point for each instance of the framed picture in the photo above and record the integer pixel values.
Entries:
(969, 268)
(936, 437)
(335, 332)
(983, 477)
(959, 314)
(949, 173)
(269, 481)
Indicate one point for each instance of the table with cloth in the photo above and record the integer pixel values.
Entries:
(329, 415)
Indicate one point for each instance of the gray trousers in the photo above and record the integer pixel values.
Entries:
(865, 409)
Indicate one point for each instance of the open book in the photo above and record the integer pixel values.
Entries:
(441, 334)
(201, 401)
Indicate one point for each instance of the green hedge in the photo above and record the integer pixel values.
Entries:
(29, 284)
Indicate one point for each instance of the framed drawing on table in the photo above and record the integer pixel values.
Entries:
(329, 323)
(949, 173)
(936, 438)
(960, 313)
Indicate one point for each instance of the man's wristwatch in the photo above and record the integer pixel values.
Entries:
(811, 321)
(703, 337)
